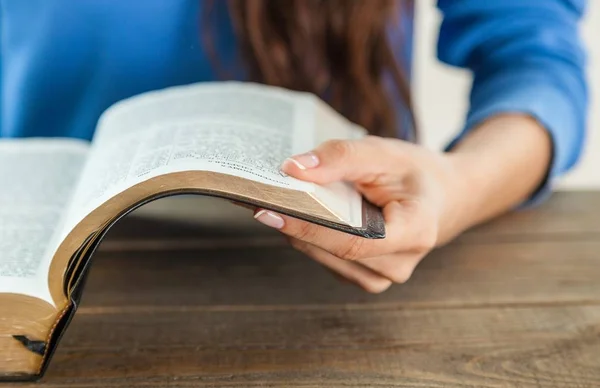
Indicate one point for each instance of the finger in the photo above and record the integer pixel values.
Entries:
(356, 273)
(408, 229)
(346, 160)
(396, 267)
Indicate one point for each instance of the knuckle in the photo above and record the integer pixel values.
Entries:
(401, 275)
(403, 272)
(304, 231)
(352, 250)
(424, 226)
(425, 240)
(341, 149)
(375, 286)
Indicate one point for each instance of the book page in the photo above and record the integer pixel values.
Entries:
(340, 198)
(234, 128)
(38, 178)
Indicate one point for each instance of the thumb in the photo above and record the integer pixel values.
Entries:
(358, 161)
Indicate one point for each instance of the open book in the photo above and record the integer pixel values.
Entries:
(60, 196)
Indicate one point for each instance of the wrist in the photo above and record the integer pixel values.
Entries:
(495, 167)
(460, 198)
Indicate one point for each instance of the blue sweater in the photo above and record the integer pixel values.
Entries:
(63, 62)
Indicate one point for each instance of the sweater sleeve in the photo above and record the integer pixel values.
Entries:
(526, 56)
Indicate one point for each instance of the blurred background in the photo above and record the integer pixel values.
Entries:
(441, 92)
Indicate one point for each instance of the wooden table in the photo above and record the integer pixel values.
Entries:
(515, 303)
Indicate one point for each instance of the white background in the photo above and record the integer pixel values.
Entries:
(441, 92)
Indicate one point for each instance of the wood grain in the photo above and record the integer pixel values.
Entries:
(466, 274)
(478, 347)
(515, 303)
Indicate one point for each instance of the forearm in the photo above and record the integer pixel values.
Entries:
(500, 164)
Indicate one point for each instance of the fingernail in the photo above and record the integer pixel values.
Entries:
(303, 161)
(270, 219)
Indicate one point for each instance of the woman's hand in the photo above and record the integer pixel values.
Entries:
(427, 197)
(419, 191)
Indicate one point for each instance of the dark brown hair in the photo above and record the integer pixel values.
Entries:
(336, 49)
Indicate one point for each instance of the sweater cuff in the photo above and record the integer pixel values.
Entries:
(545, 103)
